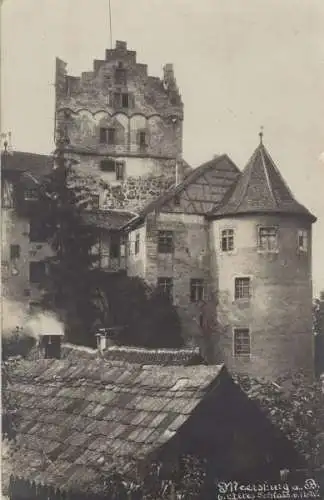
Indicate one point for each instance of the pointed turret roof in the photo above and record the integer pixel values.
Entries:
(261, 189)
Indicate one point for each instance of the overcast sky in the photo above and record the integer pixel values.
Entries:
(239, 64)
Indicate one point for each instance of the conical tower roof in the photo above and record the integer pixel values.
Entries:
(261, 189)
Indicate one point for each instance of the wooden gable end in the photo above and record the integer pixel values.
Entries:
(206, 191)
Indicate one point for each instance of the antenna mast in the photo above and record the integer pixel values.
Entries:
(110, 28)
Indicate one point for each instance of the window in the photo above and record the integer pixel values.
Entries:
(107, 165)
(31, 194)
(166, 286)
(107, 136)
(137, 243)
(242, 288)
(268, 239)
(196, 290)
(14, 252)
(227, 240)
(119, 171)
(37, 272)
(37, 230)
(302, 240)
(124, 101)
(165, 242)
(177, 200)
(142, 138)
(120, 75)
(242, 342)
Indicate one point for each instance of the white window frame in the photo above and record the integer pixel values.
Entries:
(165, 286)
(268, 227)
(302, 233)
(227, 230)
(241, 355)
(250, 287)
(197, 284)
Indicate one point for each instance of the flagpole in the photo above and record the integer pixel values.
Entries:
(110, 25)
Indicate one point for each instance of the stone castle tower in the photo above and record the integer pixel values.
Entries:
(124, 127)
(262, 271)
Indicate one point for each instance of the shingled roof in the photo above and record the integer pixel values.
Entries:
(261, 189)
(78, 421)
(107, 219)
(129, 354)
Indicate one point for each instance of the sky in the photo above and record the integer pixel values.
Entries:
(239, 64)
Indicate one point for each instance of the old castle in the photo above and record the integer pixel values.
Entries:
(232, 249)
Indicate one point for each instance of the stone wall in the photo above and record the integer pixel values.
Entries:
(135, 191)
(279, 311)
(87, 103)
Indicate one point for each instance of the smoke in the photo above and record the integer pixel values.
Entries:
(17, 320)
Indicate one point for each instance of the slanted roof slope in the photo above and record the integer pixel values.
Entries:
(261, 189)
(78, 421)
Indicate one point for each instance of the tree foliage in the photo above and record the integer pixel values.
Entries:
(85, 297)
(296, 407)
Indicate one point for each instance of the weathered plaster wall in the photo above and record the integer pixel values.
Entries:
(15, 273)
(190, 259)
(136, 262)
(279, 312)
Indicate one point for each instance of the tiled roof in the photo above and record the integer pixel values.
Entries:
(107, 219)
(165, 357)
(190, 178)
(79, 421)
(19, 161)
(260, 189)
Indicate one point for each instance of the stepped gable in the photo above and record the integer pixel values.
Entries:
(261, 189)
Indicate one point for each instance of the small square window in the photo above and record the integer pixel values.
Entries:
(242, 342)
(196, 290)
(31, 194)
(108, 165)
(268, 239)
(165, 242)
(227, 240)
(137, 243)
(242, 288)
(302, 240)
(14, 252)
(107, 136)
(166, 285)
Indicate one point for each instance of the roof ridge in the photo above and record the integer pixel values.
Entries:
(262, 150)
(250, 165)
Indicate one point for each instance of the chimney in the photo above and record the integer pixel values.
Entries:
(51, 345)
(105, 338)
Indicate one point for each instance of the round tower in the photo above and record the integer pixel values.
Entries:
(262, 271)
